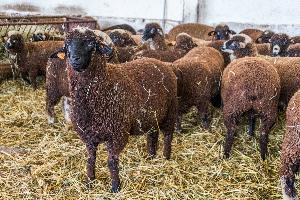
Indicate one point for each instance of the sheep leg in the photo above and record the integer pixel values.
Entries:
(178, 123)
(251, 127)
(91, 149)
(32, 78)
(204, 115)
(25, 78)
(289, 191)
(50, 103)
(267, 123)
(114, 147)
(231, 125)
(152, 142)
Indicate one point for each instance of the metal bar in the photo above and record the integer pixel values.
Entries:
(32, 17)
(46, 22)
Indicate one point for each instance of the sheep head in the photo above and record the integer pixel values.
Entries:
(265, 37)
(279, 44)
(39, 36)
(80, 47)
(239, 45)
(221, 32)
(152, 30)
(184, 41)
(14, 43)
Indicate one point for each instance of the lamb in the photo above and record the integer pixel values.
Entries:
(244, 92)
(121, 26)
(193, 29)
(254, 34)
(290, 150)
(265, 37)
(110, 102)
(57, 82)
(30, 58)
(184, 43)
(221, 32)
(282, 45)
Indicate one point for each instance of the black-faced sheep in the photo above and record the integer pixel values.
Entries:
(290, 150)
(265, 37)
(110, 102)
(43, 36)
(184, 43)
(193, 29)
(31, 58)
(121, 26)
(282, 45)
(254, 34)
(221, 32)
(154, 37)
(250, 86)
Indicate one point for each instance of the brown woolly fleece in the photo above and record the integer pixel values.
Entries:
(157, 42)
(110, 102)
(250, 85)
(122, 38)
(290, 150)
(214, 59)
(193, 29)
(293, 50)
(56, 85)
(253, 33)
(263, 49)
(184, 43)
(32, 57)
(195, 82)
(289, 73)
(125, 54)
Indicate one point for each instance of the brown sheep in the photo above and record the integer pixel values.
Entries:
(295, 39)
(254, 34)
(290, 150)
(250, 86)
(121, 26)
(31, 57)
(111, 102)
(154, 37)
(195, 83)
(282, 45)
(121, 38)
(294, 50)
(184, 43)
(193, 29)
(265, 37)
(214, 59)
(221, 32)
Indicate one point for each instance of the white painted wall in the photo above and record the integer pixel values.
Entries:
(279, 15)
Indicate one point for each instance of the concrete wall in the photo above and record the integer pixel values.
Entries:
(279, 15)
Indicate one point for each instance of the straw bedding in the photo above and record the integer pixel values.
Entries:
(39, 161)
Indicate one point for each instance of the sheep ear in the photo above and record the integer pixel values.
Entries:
(211, 33)
(60, 53)
(242, 45)
(104, 49)
(292, 41)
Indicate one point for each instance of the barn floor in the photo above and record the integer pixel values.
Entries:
(39, 161)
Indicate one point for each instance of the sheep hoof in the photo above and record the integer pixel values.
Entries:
(226, 155)
(51, 120)
(116, 186)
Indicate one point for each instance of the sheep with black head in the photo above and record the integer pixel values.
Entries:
(110, 102)
(221, 32)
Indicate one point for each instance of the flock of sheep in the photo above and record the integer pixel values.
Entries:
(116, 83)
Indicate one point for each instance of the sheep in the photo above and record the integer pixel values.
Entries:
(290, 150)
(265, 37)
(282, 45)
(288, 69)
(254, 34)
(214, 59)
(195, 84)
(121, 26)
(110, 102)
(184, 43)
(57, 83)
(193, 29)
(154, 36)
(295, 39)
(30, 58)
(121, 38)
(57, 87)
(239, 46)
(251, 86)
(221, 32)
(40, 35)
